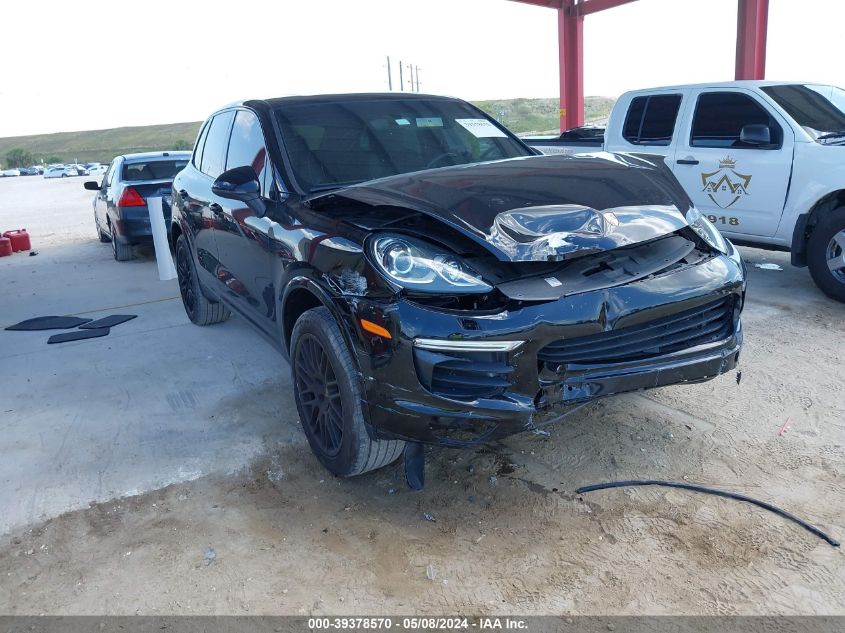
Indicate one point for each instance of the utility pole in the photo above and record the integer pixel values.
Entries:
(417, 73)
(401, 81)
(389, 76)
(411, 73)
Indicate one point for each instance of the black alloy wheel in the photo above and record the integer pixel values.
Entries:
(185, 273)
(327, 392)
(319, 395)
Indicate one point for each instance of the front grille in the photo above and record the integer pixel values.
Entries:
(463, 375)
(704, 324)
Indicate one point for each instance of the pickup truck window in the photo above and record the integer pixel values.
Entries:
(720, 116)
(651, 119)
(818, 109)
(339, 143)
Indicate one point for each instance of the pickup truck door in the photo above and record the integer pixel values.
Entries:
(740, 185)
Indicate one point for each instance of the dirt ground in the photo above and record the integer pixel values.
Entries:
(500, 529)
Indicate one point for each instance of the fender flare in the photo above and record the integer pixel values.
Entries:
(304, 282)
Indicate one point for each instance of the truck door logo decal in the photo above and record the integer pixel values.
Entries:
(725, 185)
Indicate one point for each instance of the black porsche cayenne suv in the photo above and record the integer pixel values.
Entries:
(433, 281)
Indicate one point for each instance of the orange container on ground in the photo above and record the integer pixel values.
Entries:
(5, 246)
(20, 240)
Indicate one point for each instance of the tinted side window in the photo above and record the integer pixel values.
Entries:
(720, 116)
(246, 146)
(113, 173)
(214, 152)
(107, 176)
(197, 157)
(651, 119)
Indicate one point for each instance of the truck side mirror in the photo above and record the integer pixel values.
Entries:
(755, 134)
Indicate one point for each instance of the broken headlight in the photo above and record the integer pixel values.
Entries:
(415, 265)
(706, 231)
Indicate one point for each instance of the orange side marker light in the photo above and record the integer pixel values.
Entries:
(375, 328)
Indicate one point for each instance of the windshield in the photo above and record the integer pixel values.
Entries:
(345, 142)
(818, 109)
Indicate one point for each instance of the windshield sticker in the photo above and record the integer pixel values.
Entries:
(403, 122)
(432, 121)
(481, 128)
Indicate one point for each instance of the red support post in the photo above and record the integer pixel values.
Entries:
(571, 60)
(751, 26)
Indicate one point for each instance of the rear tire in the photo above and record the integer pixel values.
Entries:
(826, 254)
(200, 309)
(122, 252)
(328, 399)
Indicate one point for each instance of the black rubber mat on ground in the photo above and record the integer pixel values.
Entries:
(109, 321)
(78, 335)
(49, 323)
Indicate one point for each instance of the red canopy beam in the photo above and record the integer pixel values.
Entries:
(570, 34)
(570, 28)
(751, 26)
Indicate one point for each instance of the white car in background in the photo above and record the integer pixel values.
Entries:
(98, 170)
(9, 172)
(59, 172)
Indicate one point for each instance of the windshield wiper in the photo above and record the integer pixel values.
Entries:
(829, 135)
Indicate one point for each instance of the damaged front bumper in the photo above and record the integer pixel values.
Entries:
(459, 378)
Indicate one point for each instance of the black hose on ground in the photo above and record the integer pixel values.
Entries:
(713, 491)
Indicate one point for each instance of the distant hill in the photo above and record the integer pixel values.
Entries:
(102, 145)
(541, 116)
(519, 115)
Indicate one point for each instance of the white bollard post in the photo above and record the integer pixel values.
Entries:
(166, 269)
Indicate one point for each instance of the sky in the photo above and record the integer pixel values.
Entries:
(94, 64)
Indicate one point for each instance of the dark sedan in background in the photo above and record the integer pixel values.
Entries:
(121, 215)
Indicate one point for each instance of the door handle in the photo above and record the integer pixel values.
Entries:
(265, 225)
(215, 208)
(687, 161)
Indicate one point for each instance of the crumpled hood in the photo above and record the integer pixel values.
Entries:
(539, 208)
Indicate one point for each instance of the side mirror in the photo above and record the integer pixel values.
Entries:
(92, 185)
(756, 134)
(240, 183)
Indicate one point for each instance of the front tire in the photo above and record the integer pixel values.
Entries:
(200, 310)
(826, 254)
(328, 399)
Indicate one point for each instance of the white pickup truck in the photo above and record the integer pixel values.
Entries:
(763, 160)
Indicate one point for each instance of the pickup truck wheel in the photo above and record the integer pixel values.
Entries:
(826, 254)
(200, 309)
(328, 398)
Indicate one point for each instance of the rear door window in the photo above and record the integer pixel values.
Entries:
(720, 116)
(216, 141)
(651, 119)
(246, 145)
(196, 158)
